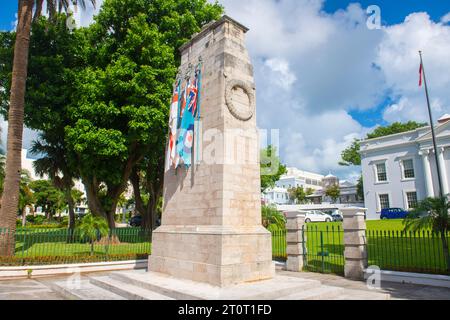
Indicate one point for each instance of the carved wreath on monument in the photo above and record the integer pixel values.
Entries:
(248, 111)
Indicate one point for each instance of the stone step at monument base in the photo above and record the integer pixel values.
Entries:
(189, 290)
(82, 290)
(141, 285)
(125, 289)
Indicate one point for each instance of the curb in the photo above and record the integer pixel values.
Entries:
(24, 272)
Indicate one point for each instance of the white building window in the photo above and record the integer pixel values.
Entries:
(408, 169)
(381, 172)
(411, 198)
(384, 201)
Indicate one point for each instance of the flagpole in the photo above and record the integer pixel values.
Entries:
(432, 127)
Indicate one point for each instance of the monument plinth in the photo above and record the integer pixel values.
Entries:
(211, 223)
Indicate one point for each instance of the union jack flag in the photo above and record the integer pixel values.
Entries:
(193, 95)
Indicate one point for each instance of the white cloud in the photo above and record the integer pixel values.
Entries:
(284, 77)
(338, 65)
(312, 68)
(446, 18)
(399, 59)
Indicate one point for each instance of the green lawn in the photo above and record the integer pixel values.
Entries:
(34, 246)
(387, 246)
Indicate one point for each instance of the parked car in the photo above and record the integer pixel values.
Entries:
(317, 216)
(393, 213)
(135, 221)
(336, 214)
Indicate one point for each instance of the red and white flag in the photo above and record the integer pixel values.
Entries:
(420, 74)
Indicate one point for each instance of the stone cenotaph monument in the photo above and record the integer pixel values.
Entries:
(211, 229)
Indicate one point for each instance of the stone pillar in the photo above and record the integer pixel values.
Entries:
(444, 174)
(211, 229)
(427, 172)
(296, 241)
(355, 243)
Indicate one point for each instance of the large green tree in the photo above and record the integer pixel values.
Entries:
(16, 101)
(49, 198)
(119, 121)
(55, 56)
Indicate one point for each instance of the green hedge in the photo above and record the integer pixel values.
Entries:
(47, 260)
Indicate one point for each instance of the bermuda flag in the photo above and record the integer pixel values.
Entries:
(420, 74)
(173, 124)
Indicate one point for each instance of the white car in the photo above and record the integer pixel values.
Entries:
(317, 216)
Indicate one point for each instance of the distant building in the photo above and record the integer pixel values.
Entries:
(400, 169)
(276, 196)
(299, 178)
(279, 195)
(348, 193)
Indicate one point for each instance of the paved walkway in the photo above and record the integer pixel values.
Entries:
(396, 290)
(106, 286)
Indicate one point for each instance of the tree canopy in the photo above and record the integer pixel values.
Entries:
(100, 95)
(271, 168)
(350, 156)
(299, 194)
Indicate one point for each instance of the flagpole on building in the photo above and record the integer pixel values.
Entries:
(422, 69)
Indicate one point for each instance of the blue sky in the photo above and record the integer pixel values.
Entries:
(395, 11)
(331, 78)
(7, 14)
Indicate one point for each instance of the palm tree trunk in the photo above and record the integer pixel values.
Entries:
(10, 198)
(24, 216)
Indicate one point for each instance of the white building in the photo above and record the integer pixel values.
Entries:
(279, 195)
(276, 196)
(299, 178)
(400, 169)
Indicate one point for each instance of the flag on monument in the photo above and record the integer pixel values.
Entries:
(173, 124)
(186, 134)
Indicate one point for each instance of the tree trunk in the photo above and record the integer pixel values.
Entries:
(10, 198)
(92, 198)
(24, 216)
(71, 205)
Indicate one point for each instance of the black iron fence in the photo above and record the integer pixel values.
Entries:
(324, 249)
(421, 251)
(60, 246)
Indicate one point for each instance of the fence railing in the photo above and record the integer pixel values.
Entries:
(324, 248)
(60, 246)
(421, 251)
(279, 245)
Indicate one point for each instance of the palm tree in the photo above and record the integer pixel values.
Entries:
(92, 227)
(54, 164)
(26, 196)
(272, 218)
(10, 199)
(436, 219)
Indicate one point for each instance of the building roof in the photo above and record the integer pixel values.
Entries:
(413, 137)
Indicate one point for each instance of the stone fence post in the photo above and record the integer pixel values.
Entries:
(355, 242)
(295, 240)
